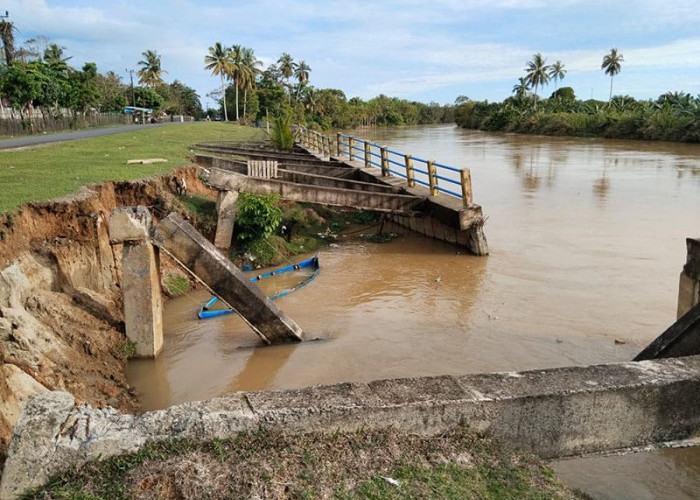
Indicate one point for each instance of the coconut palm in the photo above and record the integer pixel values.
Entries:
(537, 72)
(236, 71)
(285, 65)
(612, 66)
(556, 72)
(151, 72)
(249, 71)
(301, 73)
(219, 62)
(521, 88)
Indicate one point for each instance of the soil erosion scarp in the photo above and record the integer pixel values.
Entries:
(61, 324)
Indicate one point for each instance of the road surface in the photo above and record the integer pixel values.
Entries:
(33, 140)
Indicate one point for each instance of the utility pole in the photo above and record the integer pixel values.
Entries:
(133, 98)
(131, 74)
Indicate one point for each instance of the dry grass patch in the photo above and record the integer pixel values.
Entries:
(342, 465)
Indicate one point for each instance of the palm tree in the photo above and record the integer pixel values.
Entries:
(151, 72)
(556, 72)
(521, 88)
(537, 72)
(219, 62)
(285, 65)
(301, 73)
(611, 65)
(249, 71)
(236, 71)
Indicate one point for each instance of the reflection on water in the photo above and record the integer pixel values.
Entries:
(587, 240)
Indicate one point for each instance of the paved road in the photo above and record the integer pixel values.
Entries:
(32, 140)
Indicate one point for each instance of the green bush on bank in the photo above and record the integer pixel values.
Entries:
(672, 117)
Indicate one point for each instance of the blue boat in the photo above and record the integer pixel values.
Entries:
(312, 263)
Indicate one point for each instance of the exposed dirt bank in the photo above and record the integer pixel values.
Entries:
(61, 324)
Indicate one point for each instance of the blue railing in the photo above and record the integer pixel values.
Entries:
(429, 173)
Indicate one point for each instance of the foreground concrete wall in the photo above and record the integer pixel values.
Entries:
(553, 413)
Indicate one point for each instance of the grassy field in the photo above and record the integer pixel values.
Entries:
(49, 171)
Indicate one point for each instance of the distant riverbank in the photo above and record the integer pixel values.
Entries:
(672, 117)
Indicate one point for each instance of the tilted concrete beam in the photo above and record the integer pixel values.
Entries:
(175, 235)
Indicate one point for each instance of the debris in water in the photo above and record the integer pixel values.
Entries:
(619, 342)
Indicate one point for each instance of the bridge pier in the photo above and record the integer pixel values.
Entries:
(689, 286)
(226, 209)
(143, 307)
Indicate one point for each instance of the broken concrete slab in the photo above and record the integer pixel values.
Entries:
(130, 224)
(182, 241)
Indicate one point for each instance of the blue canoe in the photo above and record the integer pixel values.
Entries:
(205, 313)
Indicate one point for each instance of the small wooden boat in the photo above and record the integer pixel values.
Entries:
(312, 263)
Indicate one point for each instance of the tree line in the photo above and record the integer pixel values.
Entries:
(38, 77)
(673, 116)
(284, 88)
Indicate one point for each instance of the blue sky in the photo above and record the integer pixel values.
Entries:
(426, 50)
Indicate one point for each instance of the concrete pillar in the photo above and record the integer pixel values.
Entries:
(143, 307)
(226, 208)
(689, 286)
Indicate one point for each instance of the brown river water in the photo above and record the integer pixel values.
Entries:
(587, 240)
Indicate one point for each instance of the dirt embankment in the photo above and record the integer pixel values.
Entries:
(61, 324)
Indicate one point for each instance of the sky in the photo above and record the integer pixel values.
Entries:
(424, 50)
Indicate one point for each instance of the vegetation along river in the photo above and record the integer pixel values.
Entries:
(587, 240)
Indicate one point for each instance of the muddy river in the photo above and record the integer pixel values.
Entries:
(587, 241)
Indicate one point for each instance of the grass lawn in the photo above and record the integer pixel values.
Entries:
(49, 171)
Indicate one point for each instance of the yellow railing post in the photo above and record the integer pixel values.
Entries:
(465, 176)
(350, 148)
(339, 138)
(432, 171)
(368, 158)
(409, 170)
(385, 161)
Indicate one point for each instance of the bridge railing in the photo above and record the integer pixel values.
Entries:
(437, 177)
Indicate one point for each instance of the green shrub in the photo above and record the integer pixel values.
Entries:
(258, 216)
(281, 134)
(126, 349)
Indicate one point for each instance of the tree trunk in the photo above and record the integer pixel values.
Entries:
(235, 83)
(611, 82)
(245, 100)
(223, 91)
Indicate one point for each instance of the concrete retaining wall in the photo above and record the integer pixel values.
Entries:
(554, 413)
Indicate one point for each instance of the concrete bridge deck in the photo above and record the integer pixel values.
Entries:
(441, 217)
